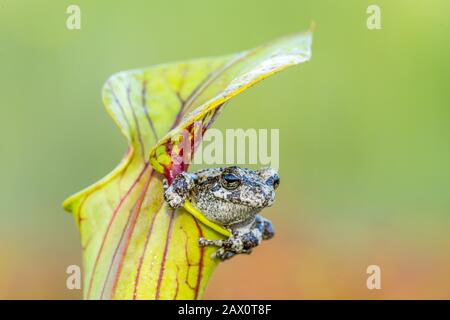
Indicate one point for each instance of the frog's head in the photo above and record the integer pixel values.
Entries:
(245, 187)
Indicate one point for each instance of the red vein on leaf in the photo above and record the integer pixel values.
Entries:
(209, 79)
(164, 257)
(144, 106)
(116, 250)
(188, 261)
(86, 196)
(188, 101)
(200, 261)
(141, 258)
(178, 284)
(132, 224)
(138, 128)
(116, 99)
(116, 210)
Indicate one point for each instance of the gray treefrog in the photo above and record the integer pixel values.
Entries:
(231, 197)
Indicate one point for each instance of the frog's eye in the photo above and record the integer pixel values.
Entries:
(273, 181)
(230, 181)
(276, 182)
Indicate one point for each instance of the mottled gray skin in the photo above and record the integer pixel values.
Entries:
(231, 197)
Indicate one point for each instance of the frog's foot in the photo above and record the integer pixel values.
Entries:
(223, 254)
(236, 244)
(264, 226)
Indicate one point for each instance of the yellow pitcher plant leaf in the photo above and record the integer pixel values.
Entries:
(134, 245)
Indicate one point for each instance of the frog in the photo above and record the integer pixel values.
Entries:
(231, 197)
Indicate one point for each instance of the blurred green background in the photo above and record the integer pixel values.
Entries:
(364, 136)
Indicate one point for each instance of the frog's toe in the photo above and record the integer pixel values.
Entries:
(223, 254)
(165, 184)
(249, 241)
(202, 242)
(173, 200)
(268, 231)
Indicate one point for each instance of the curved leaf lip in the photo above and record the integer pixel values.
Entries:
(287, 58)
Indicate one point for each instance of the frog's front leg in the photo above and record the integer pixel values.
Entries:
(178, 192)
